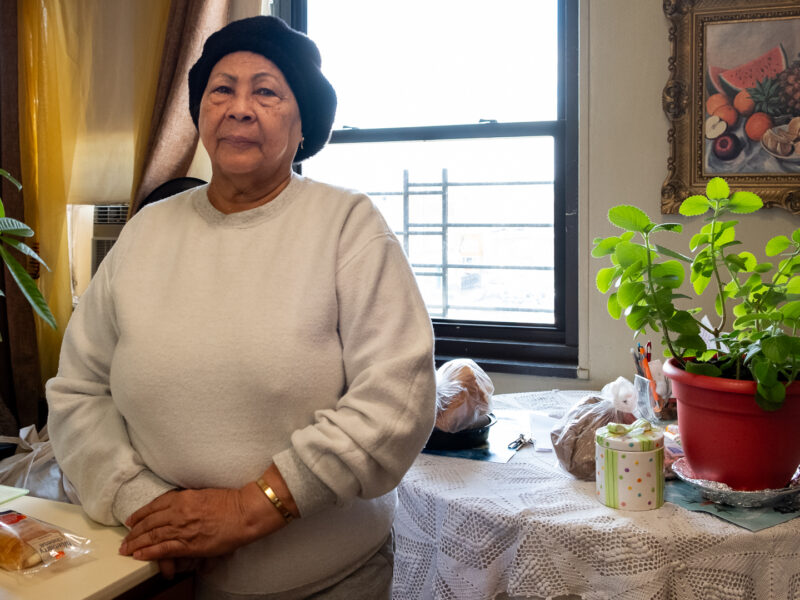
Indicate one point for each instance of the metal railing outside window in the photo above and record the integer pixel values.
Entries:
(442, 269)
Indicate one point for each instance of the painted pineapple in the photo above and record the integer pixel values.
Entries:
(766, 96)
(788, 84)
(779, 95)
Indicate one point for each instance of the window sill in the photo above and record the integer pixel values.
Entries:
(541, 368)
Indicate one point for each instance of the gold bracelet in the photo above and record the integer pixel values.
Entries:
(276, 502)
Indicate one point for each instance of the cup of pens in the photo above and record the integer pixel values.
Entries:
(654, 400)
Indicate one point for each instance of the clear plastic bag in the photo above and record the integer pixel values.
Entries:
(645, 402)
(463, 395)
(28, 545)
(573, 437)
(33, 466)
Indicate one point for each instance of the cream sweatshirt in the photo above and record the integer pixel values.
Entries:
(209, 345)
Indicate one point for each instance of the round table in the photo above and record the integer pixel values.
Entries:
(525, 529)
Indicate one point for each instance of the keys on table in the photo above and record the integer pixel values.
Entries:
(521, 441)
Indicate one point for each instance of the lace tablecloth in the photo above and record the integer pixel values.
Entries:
(472, 530)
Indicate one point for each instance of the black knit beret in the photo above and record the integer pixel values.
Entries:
(295, 54)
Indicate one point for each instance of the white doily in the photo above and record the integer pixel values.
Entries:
(471, 530)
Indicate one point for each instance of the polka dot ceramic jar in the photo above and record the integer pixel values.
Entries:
(629, 463)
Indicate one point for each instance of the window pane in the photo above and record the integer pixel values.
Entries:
(501, 295)
(492, 60)
(475, 217)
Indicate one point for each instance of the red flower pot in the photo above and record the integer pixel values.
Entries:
(727, 437)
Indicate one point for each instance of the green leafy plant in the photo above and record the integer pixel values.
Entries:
(10, 231)
(757, 304)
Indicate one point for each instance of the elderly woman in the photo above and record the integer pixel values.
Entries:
(250, 373)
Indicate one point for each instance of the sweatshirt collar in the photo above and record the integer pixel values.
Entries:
(250, 217)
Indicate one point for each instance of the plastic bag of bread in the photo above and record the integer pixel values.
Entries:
(573, 436)
(463, 395)
(28, 545)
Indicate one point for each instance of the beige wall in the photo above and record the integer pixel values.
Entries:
(623, 160)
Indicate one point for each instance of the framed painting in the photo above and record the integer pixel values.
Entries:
(733, 99)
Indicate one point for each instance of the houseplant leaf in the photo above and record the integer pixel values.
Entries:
(770, 397)
(697, 240)
(671, 253)
(744, 203)
(694, 205)
(791, 310)
(629, 293)
(28, 287)
(630, 218)
(736, 263)
(613, 307)
(604, 246)
(637, 317)
(605, 278)
(668, 274)
(717, 189)
(750, 262)
(14, 227)
(693, 342)
(683, 323)
(777, 348)
(699, 283)
(24, 248)
(763, 267)
(629, 253)
(724, 235)
(7, 175)
(777, 245)
(702, 368)
(676, 227)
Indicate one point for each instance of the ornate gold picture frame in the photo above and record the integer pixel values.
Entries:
(732, 92)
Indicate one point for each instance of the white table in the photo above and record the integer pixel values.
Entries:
(105, 576)
(472, 530)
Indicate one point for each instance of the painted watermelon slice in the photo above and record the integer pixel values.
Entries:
(712, 80)
(749, 74)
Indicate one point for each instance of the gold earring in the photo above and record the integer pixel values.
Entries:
(302, 139)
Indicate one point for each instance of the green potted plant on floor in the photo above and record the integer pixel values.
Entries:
(734, 379)
(10, 231)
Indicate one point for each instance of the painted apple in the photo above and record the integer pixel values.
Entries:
(727, 146)
(715, 127)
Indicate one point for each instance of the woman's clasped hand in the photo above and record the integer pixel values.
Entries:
(190, 523)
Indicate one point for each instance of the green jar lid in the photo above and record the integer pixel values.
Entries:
(639, 436)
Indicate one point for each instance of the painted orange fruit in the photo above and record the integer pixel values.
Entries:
(744, 103)
(756, 125)
(715, 101)
(728, 114)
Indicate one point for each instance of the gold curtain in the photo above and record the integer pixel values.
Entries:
(173, 138)
(88, 74)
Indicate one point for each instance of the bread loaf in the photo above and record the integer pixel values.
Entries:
(16, 531)
(463, 395)
(16, 554)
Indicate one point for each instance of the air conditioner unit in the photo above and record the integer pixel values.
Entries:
(108, 222)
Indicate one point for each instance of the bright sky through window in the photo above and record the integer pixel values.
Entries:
(407, 69)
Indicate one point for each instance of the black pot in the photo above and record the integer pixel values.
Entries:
(7, 449)
(464, 439)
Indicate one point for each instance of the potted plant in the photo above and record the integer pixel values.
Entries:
(734, 380)
(10, 230)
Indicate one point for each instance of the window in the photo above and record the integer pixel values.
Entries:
(459, 119)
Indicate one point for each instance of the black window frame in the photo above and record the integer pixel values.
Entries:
(550, 350)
